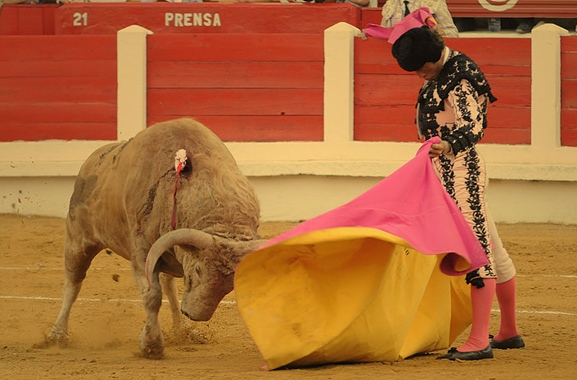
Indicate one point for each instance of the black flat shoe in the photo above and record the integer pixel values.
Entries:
(514, 342)
(453, 354)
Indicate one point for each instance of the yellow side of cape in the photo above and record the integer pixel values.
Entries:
(348, 295)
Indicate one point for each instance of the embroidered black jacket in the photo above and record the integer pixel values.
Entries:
(431, 99)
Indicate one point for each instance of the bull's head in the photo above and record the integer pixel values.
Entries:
(208, 267)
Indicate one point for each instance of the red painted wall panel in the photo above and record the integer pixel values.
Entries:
(99, 18)
(61, 48)
(250, 87)
(386, 90)
(377, 123)
(508, 125)
(9, 20)
(162, 17)
(56, 131)
(27, 19)
(226, 74)
(371, 16)
(487, 52)
(258, 128)
(270, 102)
(214, 47)
(385, 95)
(569, 91)
(48, 19)
(63, 84)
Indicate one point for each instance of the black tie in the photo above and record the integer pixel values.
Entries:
(407, 11)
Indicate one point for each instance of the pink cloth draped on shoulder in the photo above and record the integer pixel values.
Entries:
(415, 19)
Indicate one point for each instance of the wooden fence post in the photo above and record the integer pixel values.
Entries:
(339, 74)
(546, 86)
(131, 55)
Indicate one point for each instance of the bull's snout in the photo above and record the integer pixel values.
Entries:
(202, 317)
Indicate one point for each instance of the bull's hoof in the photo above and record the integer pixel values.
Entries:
(154, 353)
(56, 337)
(151, 345)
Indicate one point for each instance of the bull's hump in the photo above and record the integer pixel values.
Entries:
(181, 132)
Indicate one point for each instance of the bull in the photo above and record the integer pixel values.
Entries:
(190, 215)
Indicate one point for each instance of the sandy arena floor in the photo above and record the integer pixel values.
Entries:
(107, 318)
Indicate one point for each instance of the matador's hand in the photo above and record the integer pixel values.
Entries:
(438, 149)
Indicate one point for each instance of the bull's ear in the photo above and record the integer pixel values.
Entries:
(196, 238)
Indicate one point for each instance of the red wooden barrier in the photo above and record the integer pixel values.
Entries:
(251, 87)
(93, 18)
(246, 87)
(27, 19)
(385, 95)
(57, 87)
(101, 18)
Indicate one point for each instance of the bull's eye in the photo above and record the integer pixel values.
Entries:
(197, 269)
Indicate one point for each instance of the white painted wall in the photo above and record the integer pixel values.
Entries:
(300, 180)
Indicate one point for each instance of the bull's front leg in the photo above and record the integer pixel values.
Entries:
(59, 332)
(169, 288)
(151, 341)
(78, 254)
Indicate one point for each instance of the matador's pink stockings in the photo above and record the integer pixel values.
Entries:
(482, 300)
(506, 294)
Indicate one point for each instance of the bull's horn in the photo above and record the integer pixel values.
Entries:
(253, 245)
(246, 247)
(196, 238)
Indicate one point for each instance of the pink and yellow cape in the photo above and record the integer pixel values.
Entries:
(377, 279)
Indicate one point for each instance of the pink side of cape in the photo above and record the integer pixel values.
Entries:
(416, 19)
(412, 204)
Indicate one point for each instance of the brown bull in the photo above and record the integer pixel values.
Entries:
(196, 221)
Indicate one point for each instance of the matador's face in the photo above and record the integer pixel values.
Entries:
(430, 70)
